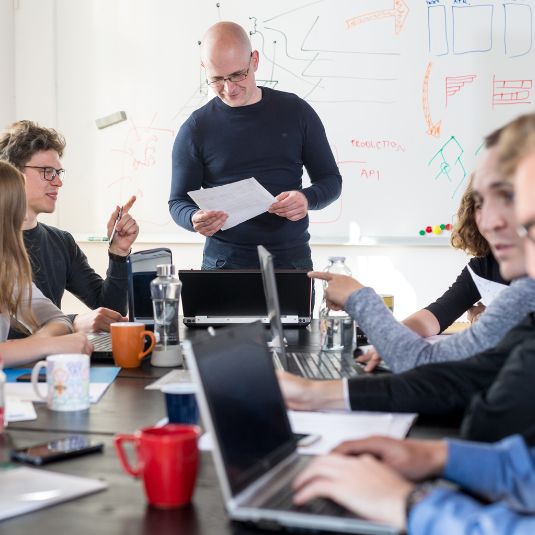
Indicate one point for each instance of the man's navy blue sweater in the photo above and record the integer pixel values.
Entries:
(270, 140)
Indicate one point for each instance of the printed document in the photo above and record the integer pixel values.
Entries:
(334, 427)
(241, 200)
(488, 290)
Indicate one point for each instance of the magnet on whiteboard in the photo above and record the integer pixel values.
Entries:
(109, 120)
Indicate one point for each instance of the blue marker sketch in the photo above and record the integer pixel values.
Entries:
(437, 30)
(517, 42)
(472, 28)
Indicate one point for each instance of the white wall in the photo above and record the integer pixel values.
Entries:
(7, 62)
(415, 274)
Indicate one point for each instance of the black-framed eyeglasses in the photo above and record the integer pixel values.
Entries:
(49, 173)
(219, 81)
(524, 230)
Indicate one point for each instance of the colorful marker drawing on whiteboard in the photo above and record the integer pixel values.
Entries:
(455, 83)
(305, 57)
(506, 92)
(517, 41)
(399, 12)
(140, 145)
(450, 165)
(472, 27)
(433, 129)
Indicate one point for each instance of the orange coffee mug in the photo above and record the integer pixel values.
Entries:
(127, 342)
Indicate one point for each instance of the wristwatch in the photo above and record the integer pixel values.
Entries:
(416, 495)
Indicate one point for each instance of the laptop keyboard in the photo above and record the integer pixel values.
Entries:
(322, 365)
(101, 341)
(282, 501)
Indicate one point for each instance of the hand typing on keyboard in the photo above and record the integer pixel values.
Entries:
(363, 485)
(97, 320)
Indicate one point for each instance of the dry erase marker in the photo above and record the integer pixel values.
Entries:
(115, 225)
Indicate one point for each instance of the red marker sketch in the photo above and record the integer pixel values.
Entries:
(339, 202)
(455, 83)
(139, 148)
(511, 91)
(433, 129)
(399, 12)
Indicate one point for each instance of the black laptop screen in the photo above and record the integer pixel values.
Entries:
(245, 403)
(141, 292)
(229, 293)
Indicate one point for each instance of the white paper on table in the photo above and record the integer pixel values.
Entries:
(25, 489)
(24, 391)
(172, 377)
(18, 410)
(241, 200)
(488, 290)
(335, 427)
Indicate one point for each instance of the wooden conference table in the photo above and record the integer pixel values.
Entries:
(122, 509)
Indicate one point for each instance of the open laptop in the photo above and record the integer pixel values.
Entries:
(254, 449)
(314, 365)
(141, 267)
(228, 297)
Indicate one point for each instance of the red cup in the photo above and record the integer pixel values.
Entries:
(167, 460)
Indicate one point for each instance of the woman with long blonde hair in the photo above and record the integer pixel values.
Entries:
(22, 306)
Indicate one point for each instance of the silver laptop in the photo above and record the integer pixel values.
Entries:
(141, 271)
(314, 365)
(254, 449)
(229, 297)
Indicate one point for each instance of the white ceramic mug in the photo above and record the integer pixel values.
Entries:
(67, 378)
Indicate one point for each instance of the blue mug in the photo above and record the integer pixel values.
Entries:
(181, 403)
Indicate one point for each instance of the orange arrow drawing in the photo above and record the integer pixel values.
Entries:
(432, 129)
(399, 12)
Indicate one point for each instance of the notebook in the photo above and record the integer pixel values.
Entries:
(254, 449)
(314, 365)
(227, 297)
(23, 489)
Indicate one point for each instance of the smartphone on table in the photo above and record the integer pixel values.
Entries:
(57, 450)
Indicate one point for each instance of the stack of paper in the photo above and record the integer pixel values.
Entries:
(336, 427)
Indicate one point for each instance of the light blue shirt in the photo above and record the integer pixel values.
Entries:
(503, 473)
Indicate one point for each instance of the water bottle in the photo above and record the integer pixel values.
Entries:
(336, 326)
(165, 293)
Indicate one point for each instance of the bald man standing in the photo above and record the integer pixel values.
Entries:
(249, 131)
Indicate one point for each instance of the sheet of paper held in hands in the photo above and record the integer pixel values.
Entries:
(241, 200)
(337, 426)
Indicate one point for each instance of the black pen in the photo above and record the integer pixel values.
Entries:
(115, 224)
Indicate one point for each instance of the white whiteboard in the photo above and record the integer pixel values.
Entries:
(405, 89)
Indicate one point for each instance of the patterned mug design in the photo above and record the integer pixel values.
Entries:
(67, 382)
